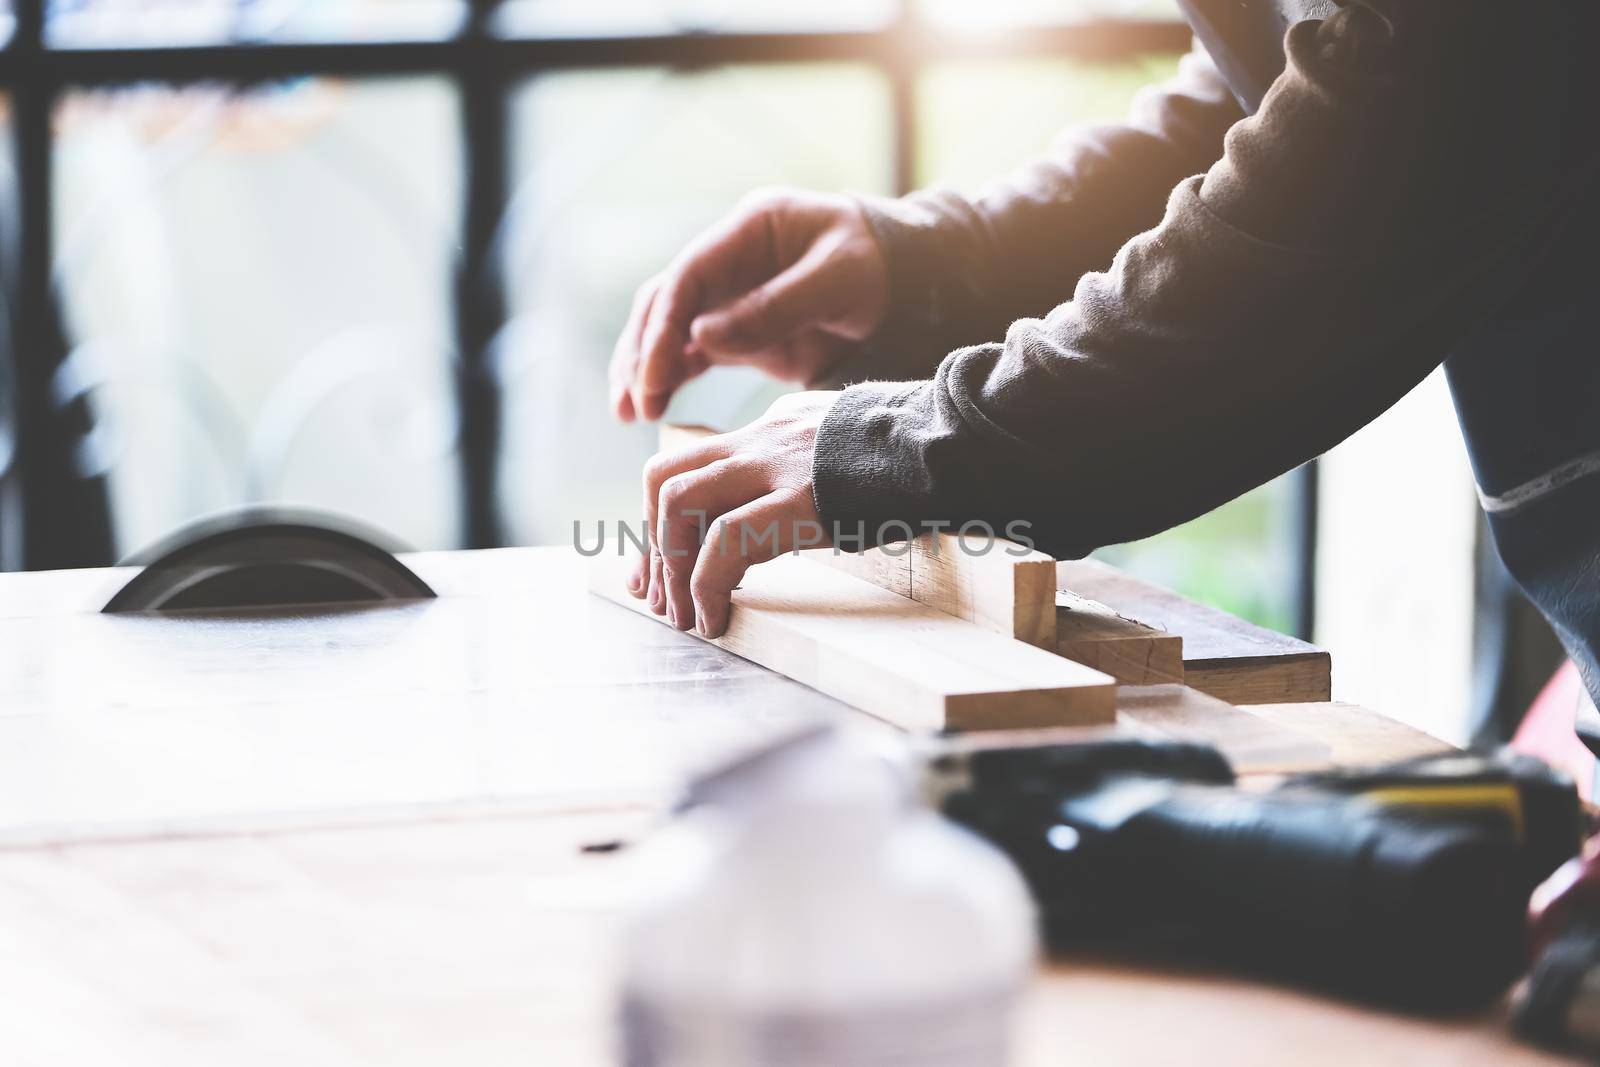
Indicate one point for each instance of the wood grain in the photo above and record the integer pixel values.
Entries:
(497, 943)
(1223, 655)
(442, 930)
(909, 664)
(985, 580)
(516, 685)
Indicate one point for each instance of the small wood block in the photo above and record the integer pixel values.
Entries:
(911, 665)
(1223, 655)
(1254, 744)
(988, 581)
(1131, 652)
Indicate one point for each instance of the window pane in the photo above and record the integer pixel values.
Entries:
(961, 144)
(615, 171)
(1239, 557)
(116, 23)
(1037, 12)
(583, 17)
(256, 290)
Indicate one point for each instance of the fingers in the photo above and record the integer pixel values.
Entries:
(657, 590)
(662, 467)
(666, 357)
(689, 503)
(772, 313)
(726, 503)
(625, 356)
(743, 537)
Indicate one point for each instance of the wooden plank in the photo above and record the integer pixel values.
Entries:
(900, 660)
(418, 944)
(112, 725)
(1355, 735)
(1139, 1013)
(481, 935)
(1133, 630)
(1254, 744)
(1224, 656)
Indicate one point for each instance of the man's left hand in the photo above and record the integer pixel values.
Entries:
(724, 504)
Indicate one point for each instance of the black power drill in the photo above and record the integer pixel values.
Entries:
(1406, 884)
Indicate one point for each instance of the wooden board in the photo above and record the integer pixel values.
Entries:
(902, 661)
(1354, 735)
(1254, 744)
(1224, 656)
(498, 942)
(488, 934)
(516, 687)
(1135, 631)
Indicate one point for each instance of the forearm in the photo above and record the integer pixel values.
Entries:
(1318, 271)
(962, 269)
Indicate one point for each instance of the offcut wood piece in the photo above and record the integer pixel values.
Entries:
(988, 581)
(1223, 655)
(1131, 652)
(907, 663)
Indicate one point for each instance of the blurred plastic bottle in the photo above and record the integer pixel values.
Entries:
(805, 910)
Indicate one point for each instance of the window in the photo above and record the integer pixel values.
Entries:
(377, 259)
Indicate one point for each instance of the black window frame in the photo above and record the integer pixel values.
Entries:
(53, 516)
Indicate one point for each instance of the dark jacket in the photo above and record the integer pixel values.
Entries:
(1325, 204)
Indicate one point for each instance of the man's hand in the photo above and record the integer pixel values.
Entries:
(726, 503)
(789, 282)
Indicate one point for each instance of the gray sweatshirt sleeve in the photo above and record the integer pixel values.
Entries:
(962, 269)
(1351, 233)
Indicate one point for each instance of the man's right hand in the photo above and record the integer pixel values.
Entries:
(789, 282)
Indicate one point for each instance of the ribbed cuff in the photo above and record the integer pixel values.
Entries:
(866, 492)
